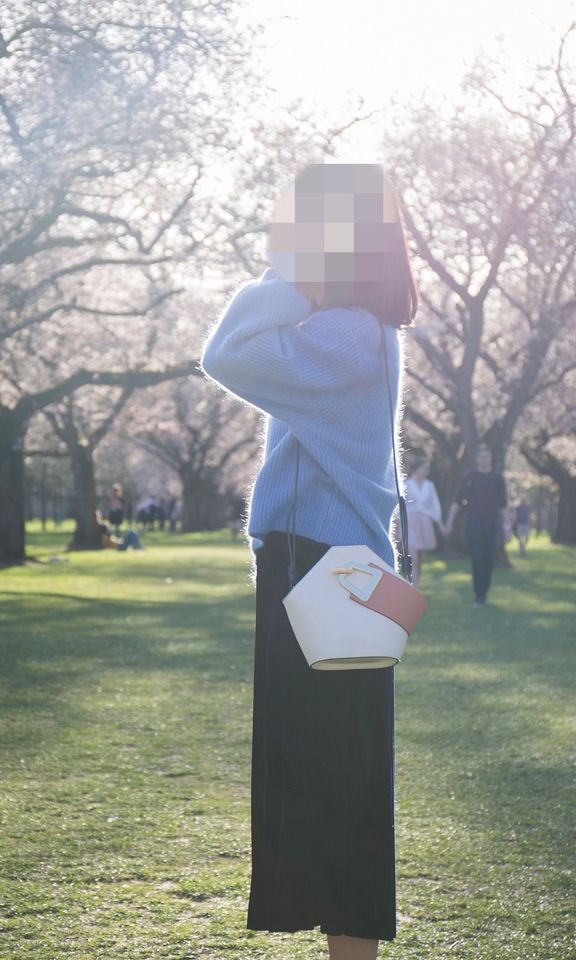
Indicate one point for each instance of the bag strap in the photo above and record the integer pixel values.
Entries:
(291, 531)
(405, 560)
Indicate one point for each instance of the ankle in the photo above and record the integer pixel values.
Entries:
(352, 948)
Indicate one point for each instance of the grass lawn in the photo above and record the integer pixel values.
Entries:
(125, 795)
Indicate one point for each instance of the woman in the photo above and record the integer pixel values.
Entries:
(323, 742)
(107, 541)
(116, 507)
(424, 511)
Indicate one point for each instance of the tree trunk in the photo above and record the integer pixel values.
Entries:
(203, 506)
(12, 515)
(86, 534)
(565, 530)
(447, 476)
(548, 465)
(43, 496)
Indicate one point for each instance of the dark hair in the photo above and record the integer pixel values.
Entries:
(394, 300)
(418, 463)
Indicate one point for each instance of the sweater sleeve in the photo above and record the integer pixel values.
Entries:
(267, 347)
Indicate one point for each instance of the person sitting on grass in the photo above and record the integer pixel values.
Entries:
(108, 540)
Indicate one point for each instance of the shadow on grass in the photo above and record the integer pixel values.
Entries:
(484, 696)
(53, 645)
(479, 696)
(82, 628)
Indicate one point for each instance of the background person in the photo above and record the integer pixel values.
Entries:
(146, 512)
(162, 512)
(482, 495)
(235, 519)
(424, 511)
(130, 539)
(522, 525)
(174, 514)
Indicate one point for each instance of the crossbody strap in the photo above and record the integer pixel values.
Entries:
(405, 560)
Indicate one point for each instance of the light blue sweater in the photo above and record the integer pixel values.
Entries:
(321, 378)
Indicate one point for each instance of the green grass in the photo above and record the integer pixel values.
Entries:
(125, 796)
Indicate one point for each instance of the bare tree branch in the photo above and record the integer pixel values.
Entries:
(31, 404)
(15, 134)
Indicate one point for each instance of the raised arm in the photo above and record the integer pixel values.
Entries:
(269, 349)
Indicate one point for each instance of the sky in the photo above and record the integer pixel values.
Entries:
(327, 51)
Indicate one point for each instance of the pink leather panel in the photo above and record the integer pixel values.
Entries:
(396, 599)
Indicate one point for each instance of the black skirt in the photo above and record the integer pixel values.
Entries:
(322, 777)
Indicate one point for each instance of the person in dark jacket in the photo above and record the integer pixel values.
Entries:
(482, 495)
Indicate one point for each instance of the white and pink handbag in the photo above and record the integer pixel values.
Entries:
(352, 610)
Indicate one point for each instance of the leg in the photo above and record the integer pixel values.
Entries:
(490, 542)
(475, 548)
(352, 948)
(322, 842)
(131, 539)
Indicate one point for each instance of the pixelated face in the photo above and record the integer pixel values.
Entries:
(332, 229)
(483, 458)
(422, 471)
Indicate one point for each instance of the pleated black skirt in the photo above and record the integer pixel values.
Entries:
(322, 777)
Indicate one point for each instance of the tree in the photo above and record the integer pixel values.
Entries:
(98, 184)
(12, 462)
(545, 462)
(549, 446)
(203, 437)
(490, 211)
(73, 430)
(48, 486)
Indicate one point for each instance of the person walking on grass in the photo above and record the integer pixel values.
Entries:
(522, 525)
(482, 495)
(321, 358)
(424, 511)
